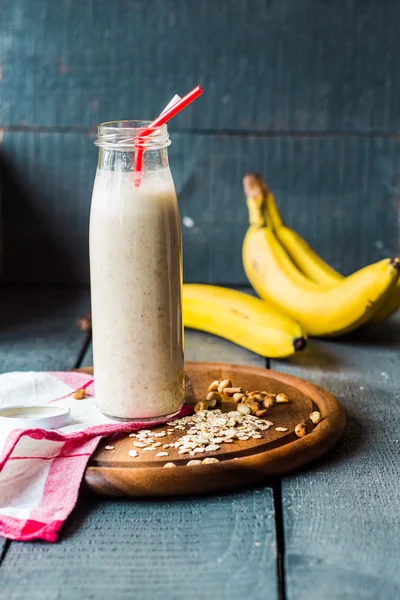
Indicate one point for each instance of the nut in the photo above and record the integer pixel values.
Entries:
(300, 430)
(78, 394)
(315, 417)
(214, 396)
(169, 465)
(254, 407)
(269, 401)
(209, 460)
(85, 323)
(213, 386)
(243, 409)
(229, 391)
(226, 383)
(255, 393)
(238, 397)
(282, 399)
(200, 406)
(261, 413)
(258, 398)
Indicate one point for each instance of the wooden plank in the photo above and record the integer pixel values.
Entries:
(195, 548)
(38, 330)
(341, 517)
(266, 65)
(156, 549)
(331, 190)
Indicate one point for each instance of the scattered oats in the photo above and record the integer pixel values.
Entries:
(169, 465)
(161, 434)
(133, 453)
(212, 448)
(209, 460)
(281, 429)
(146, 431)
(108, 447)
(165, 446)
(184, 451)
(199, 449)
(193, 463)
(132, 435)
(162, 454)
(139, 444)
(150, 448)
(157, 444)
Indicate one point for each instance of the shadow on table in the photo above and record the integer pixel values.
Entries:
(383, 335)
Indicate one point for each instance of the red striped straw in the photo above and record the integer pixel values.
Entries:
(163, 118)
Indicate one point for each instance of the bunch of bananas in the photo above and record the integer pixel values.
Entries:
(300, 293)
(286, 272)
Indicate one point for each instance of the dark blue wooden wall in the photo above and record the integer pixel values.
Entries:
(305, 91)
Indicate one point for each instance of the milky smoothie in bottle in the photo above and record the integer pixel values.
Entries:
(135, 262)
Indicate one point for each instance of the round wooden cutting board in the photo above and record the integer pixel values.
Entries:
(115, 473)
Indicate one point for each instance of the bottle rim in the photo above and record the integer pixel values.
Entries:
(125, 135)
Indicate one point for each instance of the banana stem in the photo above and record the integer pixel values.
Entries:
(261, 203)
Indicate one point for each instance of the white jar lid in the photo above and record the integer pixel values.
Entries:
(41, 417)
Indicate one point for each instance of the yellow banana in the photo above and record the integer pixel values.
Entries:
(242, 319)
(309, 262)
(304, 257)
(322, 310)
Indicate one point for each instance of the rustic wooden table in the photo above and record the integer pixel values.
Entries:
(327, 533)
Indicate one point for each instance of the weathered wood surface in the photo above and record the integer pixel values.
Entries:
(222, 546)
(279, 65)
(341, 519)
(197, 548)
(38, 330)
(333, 191)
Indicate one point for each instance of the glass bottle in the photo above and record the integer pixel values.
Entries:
(136, 277)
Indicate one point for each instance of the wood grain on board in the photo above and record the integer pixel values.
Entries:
(266, 65)
(113, 472)
(341, 517)
(340, 193)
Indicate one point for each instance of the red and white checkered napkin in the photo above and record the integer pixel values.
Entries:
(40, 470)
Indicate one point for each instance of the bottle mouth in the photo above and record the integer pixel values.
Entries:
(125, 135)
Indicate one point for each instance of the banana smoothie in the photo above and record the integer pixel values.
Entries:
(136, 280)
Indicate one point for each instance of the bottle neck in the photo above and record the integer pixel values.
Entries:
(123, 160)
(119, 140)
